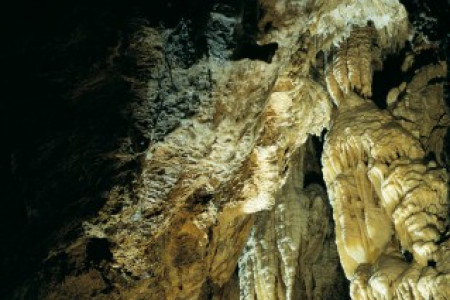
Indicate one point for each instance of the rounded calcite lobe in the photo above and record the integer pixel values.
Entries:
(385, 197)
(384, 167)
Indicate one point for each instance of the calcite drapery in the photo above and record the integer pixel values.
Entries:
(388, 196)
(280, 261)
(352, 68)
(291, 252)
(370, 169)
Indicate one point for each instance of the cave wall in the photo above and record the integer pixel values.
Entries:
(148, 144)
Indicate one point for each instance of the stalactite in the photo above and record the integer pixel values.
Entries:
(291, 253)
(333, 21)
(352, 67)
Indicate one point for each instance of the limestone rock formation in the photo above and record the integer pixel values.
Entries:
(352, 67)
(388, 198)
(291, 252)
(333, 21)
(227, 150)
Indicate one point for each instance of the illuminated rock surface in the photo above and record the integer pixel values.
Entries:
(385, 179)
(228, 150)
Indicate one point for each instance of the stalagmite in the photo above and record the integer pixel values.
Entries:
(290, 253)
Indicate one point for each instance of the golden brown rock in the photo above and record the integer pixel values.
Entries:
(352, 67)
(227, 201)
(291, 252)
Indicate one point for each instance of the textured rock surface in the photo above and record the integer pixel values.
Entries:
(291, 253)
(214, 133)
(388, 191)
(165, 150)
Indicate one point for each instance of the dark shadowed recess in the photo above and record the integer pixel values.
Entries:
(54, 150)
(429, 18)
(313, 161)
(392, 76)
(247, 34)
(433, 19)
(97, 250)
(389, 77)
(55, 147)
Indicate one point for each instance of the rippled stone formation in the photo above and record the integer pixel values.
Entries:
(253, 150)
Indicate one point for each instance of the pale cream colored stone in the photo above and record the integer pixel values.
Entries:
(421, 107)
(290, 253)
(386, 195)
(333, 21)
(352, 65)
